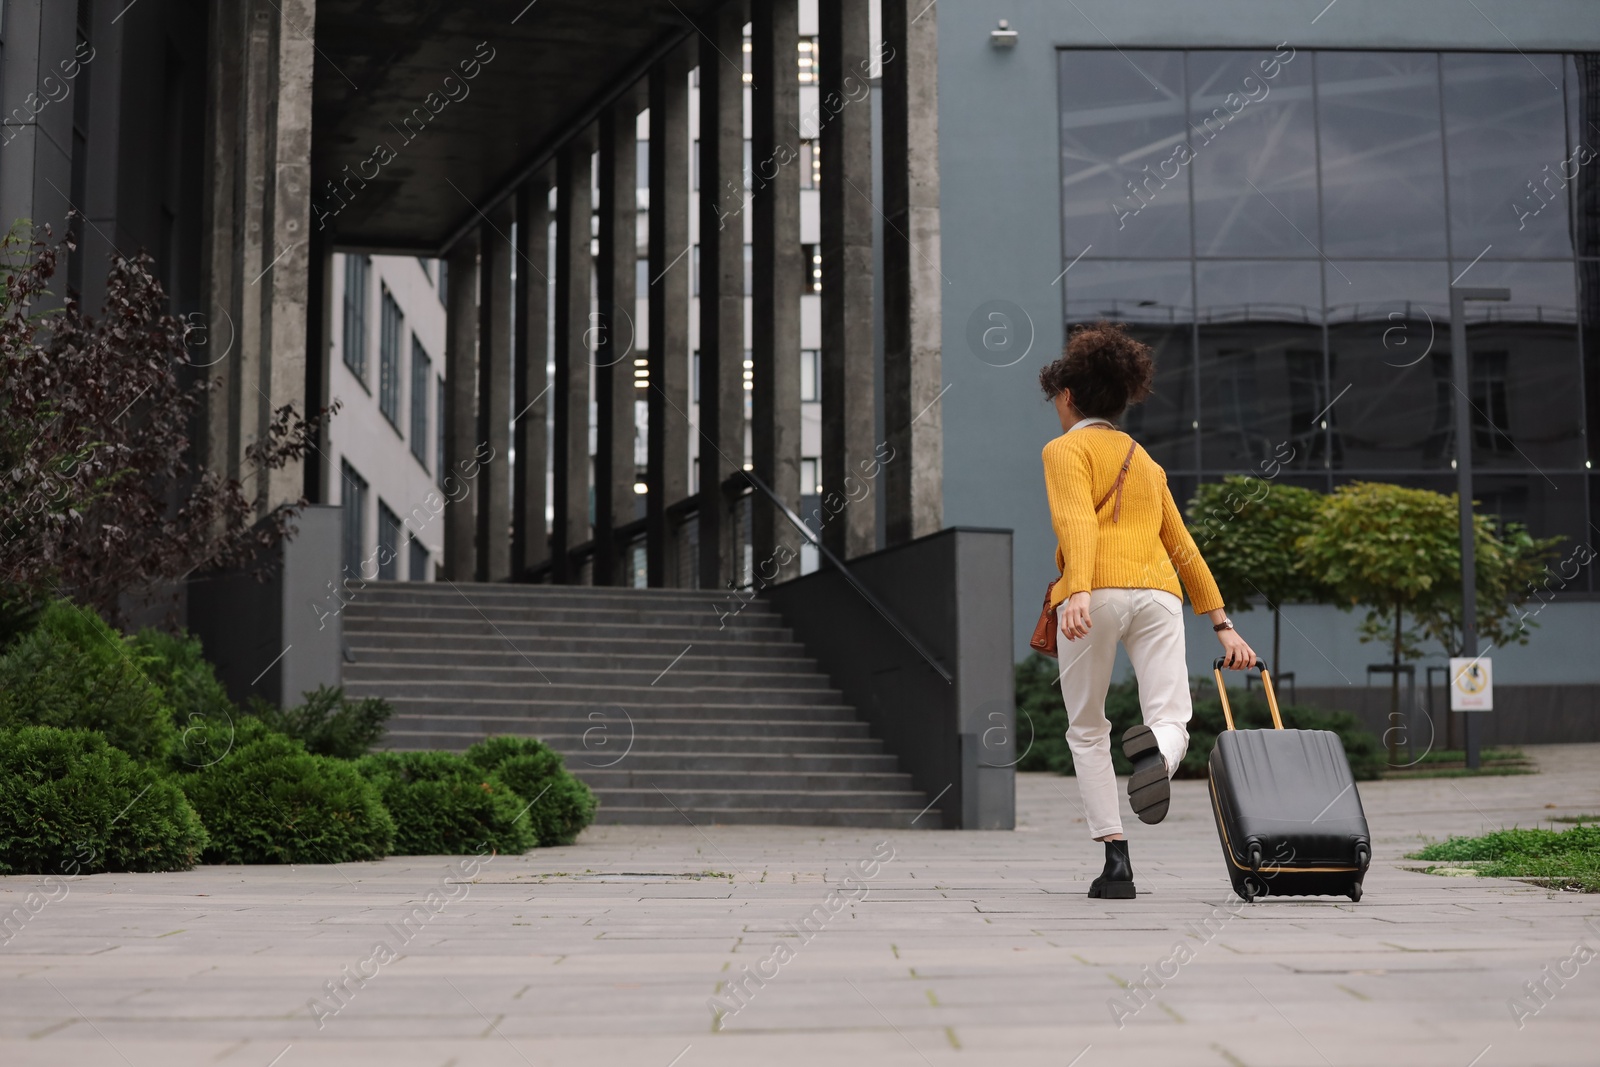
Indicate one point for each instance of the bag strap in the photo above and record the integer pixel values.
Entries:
(1116, 487)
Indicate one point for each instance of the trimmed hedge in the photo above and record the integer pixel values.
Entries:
(202, 713)
(443, 804)
(74, 672)
(559, 805)
(328, 722)
(271, 801)
(72, 804)
(1039, 702)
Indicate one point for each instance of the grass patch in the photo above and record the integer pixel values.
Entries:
(1459, 755)
(1575, 818)
(1452, 763)
(1558, 859)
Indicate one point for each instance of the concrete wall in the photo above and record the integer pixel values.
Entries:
(279, 637)
(957, 738)
(1001, 215)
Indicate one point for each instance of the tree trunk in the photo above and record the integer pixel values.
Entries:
(1394, 692)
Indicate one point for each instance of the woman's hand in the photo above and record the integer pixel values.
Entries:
(1074, 613)
(1237, 655)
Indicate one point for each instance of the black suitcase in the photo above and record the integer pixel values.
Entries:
(1287, 809)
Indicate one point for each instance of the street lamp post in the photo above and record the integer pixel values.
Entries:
(1461, 368)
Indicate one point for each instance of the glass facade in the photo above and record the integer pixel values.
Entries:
(1283, 228)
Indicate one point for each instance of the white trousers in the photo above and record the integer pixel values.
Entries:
(1149, 623)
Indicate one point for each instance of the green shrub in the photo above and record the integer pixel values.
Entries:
(270, 801)
(329, 723)
(72, 671)
(202, 713)
(559, 805)
(443, 804)
(72, 804)
(1039, 702)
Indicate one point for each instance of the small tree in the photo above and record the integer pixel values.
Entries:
(1511, 566)
(1247, 528)
(1397, 550)
(102, 500)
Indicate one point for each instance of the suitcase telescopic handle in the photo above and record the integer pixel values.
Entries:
(1266, 684)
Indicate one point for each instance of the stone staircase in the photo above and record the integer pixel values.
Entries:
(667, 717)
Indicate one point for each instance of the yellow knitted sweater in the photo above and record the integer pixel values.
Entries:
(1138, 551)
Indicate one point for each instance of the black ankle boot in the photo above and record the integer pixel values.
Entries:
(1116, 881)
(1149, 793)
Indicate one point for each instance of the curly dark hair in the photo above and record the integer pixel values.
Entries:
(1106, 370)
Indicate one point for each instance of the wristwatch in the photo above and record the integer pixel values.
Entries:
(1225, 624)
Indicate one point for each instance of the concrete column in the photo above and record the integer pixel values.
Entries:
(615, 347)
(722, 218)
(670, 264)
(844, 41)
(461, 457)
(574, 173)
(35, 142)
(912, 284)
(285, 278)
(494, 397)
(220, 281)
(257, 246)
(775, 306)
(530, 532)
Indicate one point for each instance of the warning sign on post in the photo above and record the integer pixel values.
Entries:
(1471, 684)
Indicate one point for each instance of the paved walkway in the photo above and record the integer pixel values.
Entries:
(975, 948)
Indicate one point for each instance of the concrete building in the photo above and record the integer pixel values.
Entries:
(707, 272)
(1278, 199)
(687, 280)
(387, 375)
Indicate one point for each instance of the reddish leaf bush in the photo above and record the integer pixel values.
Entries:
(103, 498)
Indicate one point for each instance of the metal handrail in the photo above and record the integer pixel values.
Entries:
(838, 564)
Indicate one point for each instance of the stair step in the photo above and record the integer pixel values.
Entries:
(532, 692)
(430, 592)
(608, 780)
(660, 677)
(615, 725)
(614, 629)
(668, 703)
(797, 800)
(373, 613)
(622, 656)
(600, 750)
(895, 818)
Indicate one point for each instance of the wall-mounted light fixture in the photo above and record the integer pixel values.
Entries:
(1003, 36)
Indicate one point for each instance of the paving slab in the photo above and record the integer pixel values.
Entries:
(957, 948)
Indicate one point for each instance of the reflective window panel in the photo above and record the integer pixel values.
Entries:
(1262, 391)
(1527, 404)
(1382, 163)
(1589, 328)
(1389, 365)
(1153, 298)
(1255, 153)
(1122, 128)
(1509, 162)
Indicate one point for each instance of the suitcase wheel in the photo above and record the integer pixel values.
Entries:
(1363, 856)
(1255, 855)
(1355, 891)
(1247, 890)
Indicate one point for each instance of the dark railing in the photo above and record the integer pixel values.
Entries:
(837, 564)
